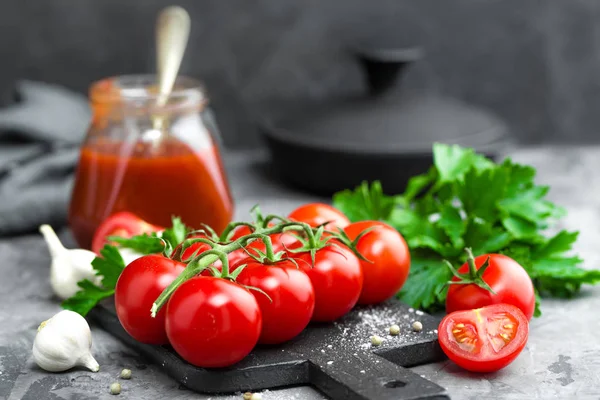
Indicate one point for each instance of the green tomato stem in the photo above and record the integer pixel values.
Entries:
(220, 251)
(471, 263)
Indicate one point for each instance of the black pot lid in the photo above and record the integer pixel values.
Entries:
(384, 122)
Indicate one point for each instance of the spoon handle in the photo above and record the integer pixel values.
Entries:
(172, 32)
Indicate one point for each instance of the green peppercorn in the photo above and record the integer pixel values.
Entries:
(417, 326)
(115, 388)
(376, 340)
(126, 374)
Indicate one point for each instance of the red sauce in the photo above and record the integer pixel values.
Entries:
(153, 183)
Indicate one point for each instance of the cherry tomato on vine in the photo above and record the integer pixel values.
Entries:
(336, 278)
(212, 322)
(389, 260)
(124, 224)
(138, 286)
(316, 214)
(509, 281)
(292, 298)
(485, 339)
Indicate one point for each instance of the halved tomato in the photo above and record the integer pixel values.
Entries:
(484, 339)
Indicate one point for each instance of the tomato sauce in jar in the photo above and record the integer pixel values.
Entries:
(126, 165)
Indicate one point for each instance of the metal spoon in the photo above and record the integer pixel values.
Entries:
(172, 33)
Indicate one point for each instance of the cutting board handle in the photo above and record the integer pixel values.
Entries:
(367, 376)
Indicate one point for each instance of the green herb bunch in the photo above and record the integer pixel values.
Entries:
(466, 200)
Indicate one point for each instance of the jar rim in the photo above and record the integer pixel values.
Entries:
(143, 87)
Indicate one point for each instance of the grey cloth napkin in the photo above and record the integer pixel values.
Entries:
(40, 136)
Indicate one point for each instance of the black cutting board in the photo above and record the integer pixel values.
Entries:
(336, 358)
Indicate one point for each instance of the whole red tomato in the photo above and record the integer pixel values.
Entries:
(292, 298)
(140, 283)
(316, 214)
(389, 260)
(212, 322)
(509, 281)
(485, 339)
(124, 224)
(337, 280)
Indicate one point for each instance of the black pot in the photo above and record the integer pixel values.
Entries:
(385, 135)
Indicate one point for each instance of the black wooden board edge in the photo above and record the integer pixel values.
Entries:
(362, 375)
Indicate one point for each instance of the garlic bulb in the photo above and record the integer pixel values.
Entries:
(63, 342)
(69, 266)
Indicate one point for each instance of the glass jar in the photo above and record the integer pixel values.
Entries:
(156, 162)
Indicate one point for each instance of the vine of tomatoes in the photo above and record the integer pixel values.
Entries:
(276, 275)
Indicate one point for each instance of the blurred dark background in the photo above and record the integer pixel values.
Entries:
(534, 63)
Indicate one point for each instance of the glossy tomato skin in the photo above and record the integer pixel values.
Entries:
(124, 224)
(485, 339)
(292, 298)
(138, 286)
(337, 279)
(389, 260)
(212, 322)
(505, 276)
(316, 214)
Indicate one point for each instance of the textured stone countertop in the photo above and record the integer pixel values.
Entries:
(561, 360)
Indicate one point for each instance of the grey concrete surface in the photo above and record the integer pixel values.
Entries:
(561, 360)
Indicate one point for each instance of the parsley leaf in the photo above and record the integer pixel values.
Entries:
(143, 244)
(87, 298)
(466, 200)
(428, 277)
(176, 233)
(109, 266)
(365, 202)
(154, 242)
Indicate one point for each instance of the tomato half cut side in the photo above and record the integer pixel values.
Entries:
(485, 339)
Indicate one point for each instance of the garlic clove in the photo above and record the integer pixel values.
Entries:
(129, 255)
(68, 266)
(63, 342)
